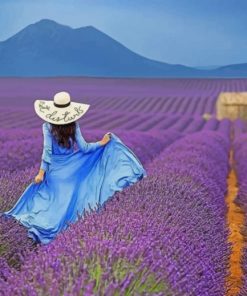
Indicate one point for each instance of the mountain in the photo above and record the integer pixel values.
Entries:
(207, 67)
(234, 70)
(47, 48)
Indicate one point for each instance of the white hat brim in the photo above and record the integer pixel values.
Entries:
(47, 111)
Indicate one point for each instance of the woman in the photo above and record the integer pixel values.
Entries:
(71, 181)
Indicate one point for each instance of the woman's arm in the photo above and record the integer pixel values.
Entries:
(47, 149)
(82, 144)
(46, 155)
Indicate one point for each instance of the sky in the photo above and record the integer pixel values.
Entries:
(188, 32)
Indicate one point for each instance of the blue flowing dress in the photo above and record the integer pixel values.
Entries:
(74, 181)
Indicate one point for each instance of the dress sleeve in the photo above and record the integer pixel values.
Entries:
(82, 144)
(47, 148)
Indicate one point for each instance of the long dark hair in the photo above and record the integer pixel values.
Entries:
(63, 133)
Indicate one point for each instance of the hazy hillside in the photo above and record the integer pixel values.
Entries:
(47, 48)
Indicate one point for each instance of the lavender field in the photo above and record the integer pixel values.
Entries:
(168, 234)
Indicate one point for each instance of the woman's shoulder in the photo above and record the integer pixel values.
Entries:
(46, 125)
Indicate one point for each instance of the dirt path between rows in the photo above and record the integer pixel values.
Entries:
(235, 220)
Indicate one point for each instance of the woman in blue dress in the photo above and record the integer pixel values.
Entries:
(71, 181)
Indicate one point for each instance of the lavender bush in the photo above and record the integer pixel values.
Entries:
(165, 235)
(13, 238)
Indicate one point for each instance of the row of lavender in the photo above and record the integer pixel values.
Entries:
(17, 151)
(240, 164)
(21, 160)
(190, 96)
(138, 121)
(148, 109)
(165, 235)
(22, 148)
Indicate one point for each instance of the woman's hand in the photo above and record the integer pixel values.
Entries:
(105, 139)
(40, 177)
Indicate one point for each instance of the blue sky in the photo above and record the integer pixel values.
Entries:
(189, 32)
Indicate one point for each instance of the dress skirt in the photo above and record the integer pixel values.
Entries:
(73, 183)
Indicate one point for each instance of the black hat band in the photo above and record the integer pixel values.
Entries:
(61, 105)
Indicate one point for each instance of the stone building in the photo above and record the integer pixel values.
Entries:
(231, 105)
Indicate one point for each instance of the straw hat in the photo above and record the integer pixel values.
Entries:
(60, 110)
